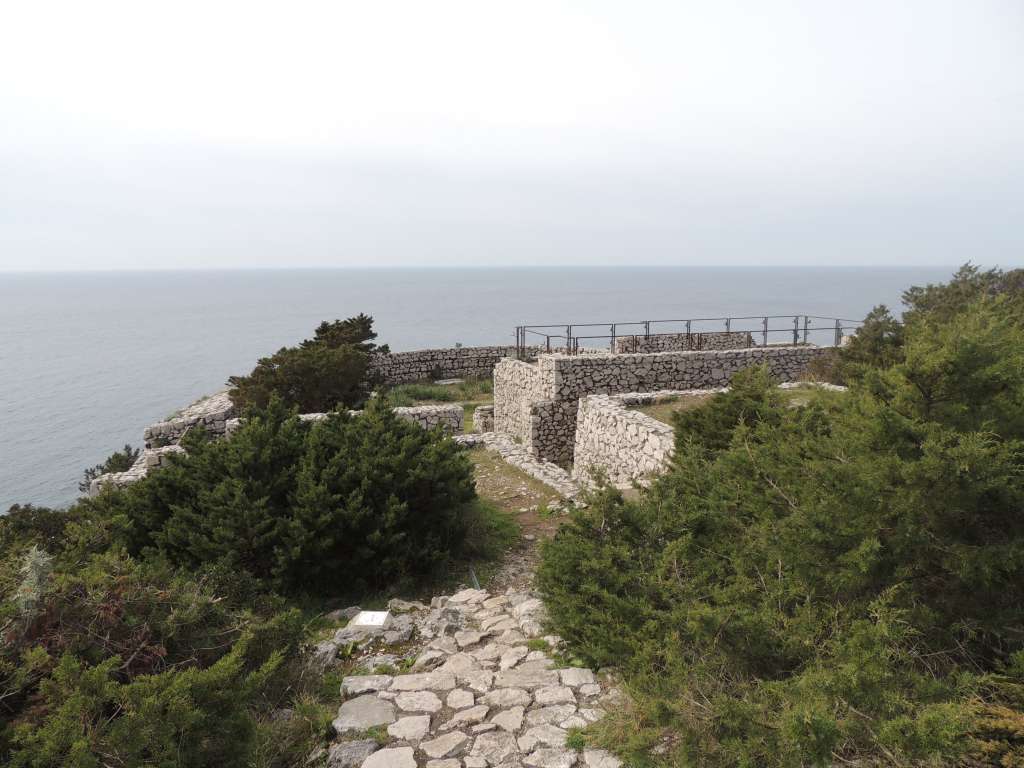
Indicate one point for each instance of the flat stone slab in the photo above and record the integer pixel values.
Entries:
(495, 747)
(542, 736)
(470, 716)
(575, 677)
(554, 694)
(353, 685)
(448, 745)
(550, 758)
(524, 678)
(393, 757)
(600, 758)
(350, 754)
(508, 697)
(418, 701)
(412, 728)
(363, 712)
(510, 720)
(423, 681)
(548, 715)
(460, 698)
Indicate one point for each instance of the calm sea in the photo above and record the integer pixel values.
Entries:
(87, 360)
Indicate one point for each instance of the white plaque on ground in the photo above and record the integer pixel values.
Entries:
(379, 619)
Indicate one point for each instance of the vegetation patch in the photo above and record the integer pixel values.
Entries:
(835, 583)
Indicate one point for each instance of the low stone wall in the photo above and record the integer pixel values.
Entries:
(149, 459)
(212, 413)
(623, 445)
(483, 418)
(681, 342)
(452, 363)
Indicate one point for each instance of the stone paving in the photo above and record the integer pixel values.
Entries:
(481, 692)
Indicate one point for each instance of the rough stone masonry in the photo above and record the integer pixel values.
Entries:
(538, 403)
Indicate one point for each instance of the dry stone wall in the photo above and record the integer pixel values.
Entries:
(622, 445)
(681, 342)
(452, 363)
(212, 413)
(537, 403)
(517, 386)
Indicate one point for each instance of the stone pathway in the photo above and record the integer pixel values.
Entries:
(483, 691)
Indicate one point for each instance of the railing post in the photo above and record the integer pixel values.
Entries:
(807, 325)
(839, 333)
(689, 336)
(519, 352)
(548, 337)
(796, 330)
(728, 325)
(568, 339)
(613, 339)
(764, 332)
(647, 329)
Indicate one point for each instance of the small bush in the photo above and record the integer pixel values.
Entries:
(323, 373)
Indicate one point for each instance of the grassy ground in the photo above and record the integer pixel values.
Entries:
(470, 393)
(664, 410)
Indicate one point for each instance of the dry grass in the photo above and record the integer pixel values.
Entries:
(664, 410)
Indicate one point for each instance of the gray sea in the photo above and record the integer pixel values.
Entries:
(87, 360)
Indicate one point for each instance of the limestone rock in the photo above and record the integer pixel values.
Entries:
(525, 678)
(393, 757)
(411, 728)
(575, 677)
(363, 712)
(513, 656)
(548, 715)
(423, 681)
(460, 698)
(494, 747)
(555, 694)
(469, 716)
(542, 736)
(418, 701)
(600, 758)
(445, 746)
(353, 685)
(350, 754)
(510, 720)
(508, 697)
(550, 758)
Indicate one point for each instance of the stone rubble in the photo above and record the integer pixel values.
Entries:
(489, 702)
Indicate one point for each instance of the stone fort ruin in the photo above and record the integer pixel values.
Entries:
(561, 405)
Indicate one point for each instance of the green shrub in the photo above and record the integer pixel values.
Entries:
(119, 461)
(832, 583)
(323, 373)
(334, 506)
(123, 662)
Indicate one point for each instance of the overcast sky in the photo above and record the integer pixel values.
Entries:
(248, 134)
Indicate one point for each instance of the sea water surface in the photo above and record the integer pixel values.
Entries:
(88, 360)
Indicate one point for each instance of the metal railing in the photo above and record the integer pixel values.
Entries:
(780, 329)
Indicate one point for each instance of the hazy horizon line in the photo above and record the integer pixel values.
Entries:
(491, 267)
